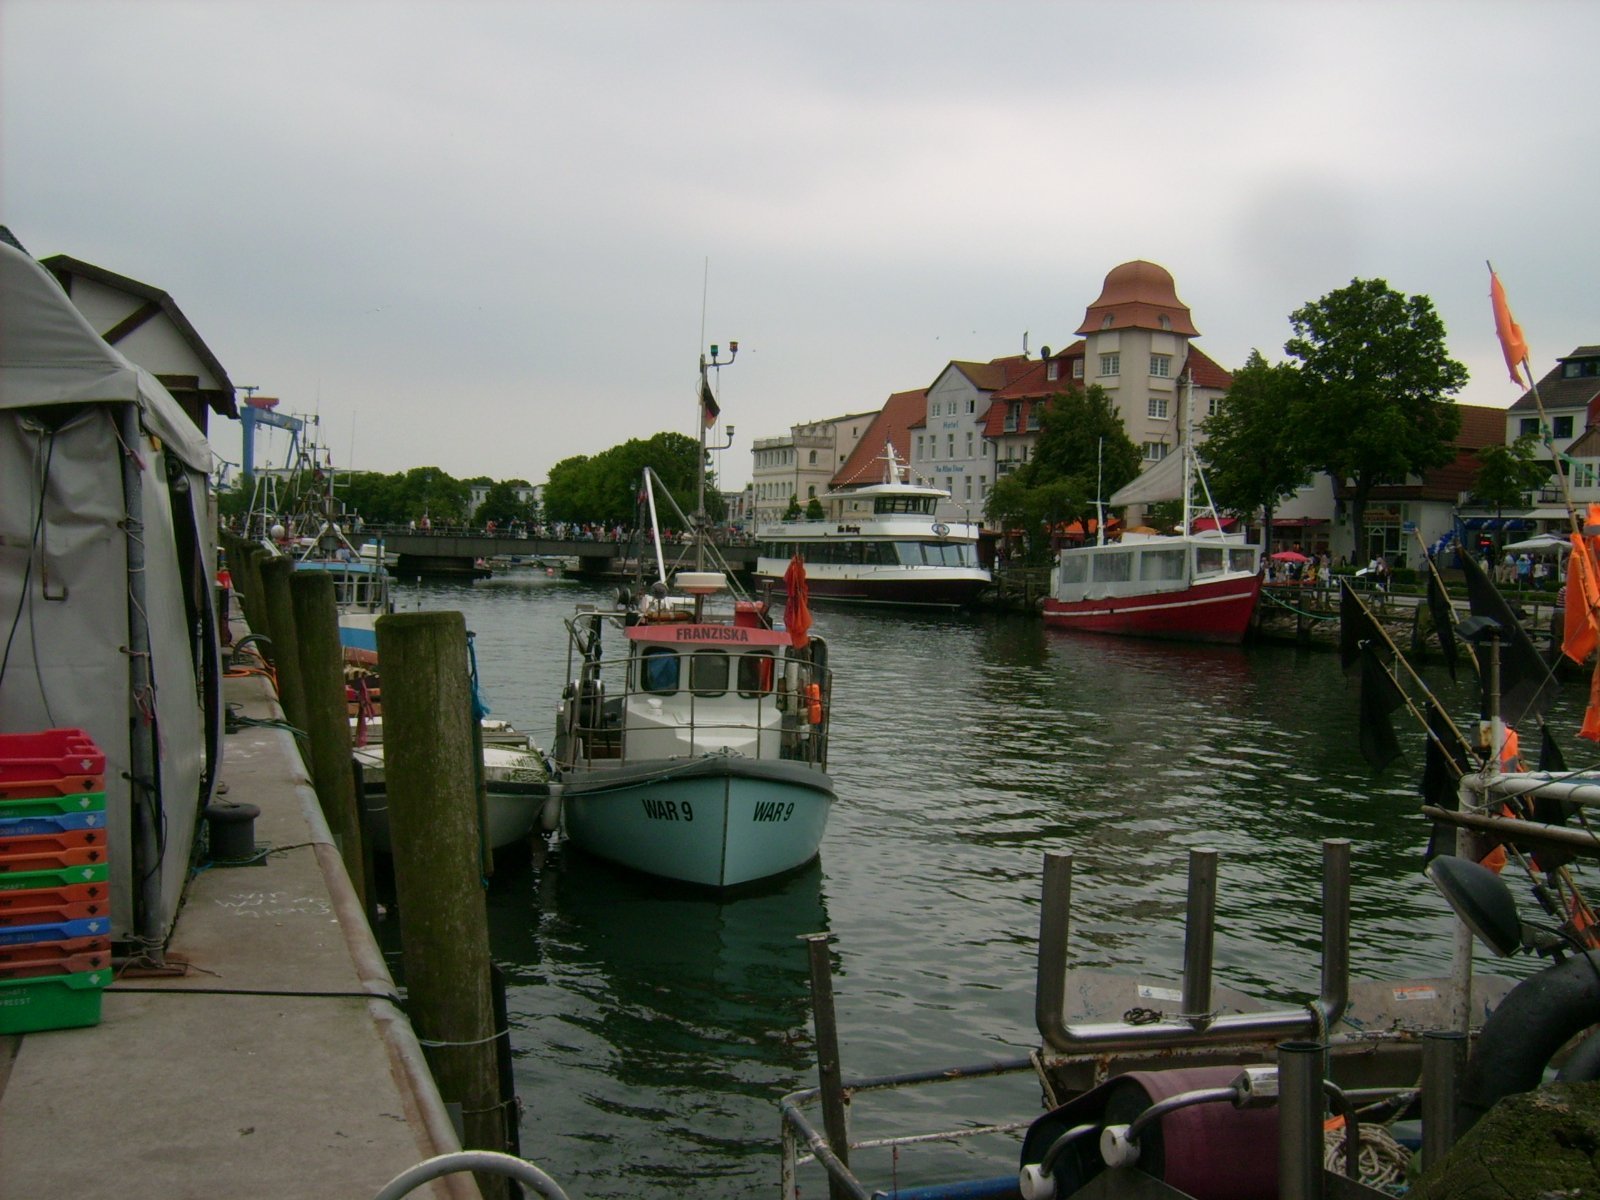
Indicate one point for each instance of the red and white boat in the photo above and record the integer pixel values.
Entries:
(1200, 585)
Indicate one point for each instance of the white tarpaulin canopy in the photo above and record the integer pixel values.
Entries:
(106, 563)
(1543, 543)
(1164, 481)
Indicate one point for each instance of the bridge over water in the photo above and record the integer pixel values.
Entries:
(455, 551)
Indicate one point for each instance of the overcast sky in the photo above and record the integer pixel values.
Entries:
(486, 236)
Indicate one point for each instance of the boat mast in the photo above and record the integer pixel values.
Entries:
(1188, 443)
(708, 417)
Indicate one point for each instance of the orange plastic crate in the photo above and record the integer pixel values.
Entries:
(85, 856)
(52, 914)
(43, 897)
(33, 844)
(53, 952)
(63, 964)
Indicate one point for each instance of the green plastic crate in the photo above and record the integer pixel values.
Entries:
(53, 806)
(55, 877)
(52, 1002)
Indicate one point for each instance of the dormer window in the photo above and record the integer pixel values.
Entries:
(1108, 321)
(1052, 370)
(1164, 321)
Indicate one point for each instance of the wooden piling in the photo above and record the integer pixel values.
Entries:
(274, 574)
(255, 613)
(316, 620)
(434, 839)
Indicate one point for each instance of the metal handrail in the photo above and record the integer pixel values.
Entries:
(491, 1162)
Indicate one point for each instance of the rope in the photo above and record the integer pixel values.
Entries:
(1382, 1161)
(1302, 612)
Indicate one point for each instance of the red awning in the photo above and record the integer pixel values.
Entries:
(1298, 522)
(1202, 524)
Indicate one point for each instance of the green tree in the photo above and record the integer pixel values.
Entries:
(1083, 452)
(1250, 455)
(1507, 473)
(814, 511)
(792, 513)
(605, 487)
(1375, 389)
(502, 505)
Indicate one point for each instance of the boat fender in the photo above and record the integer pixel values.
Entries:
(1537, 1017)
(814, 703)
(550, 814)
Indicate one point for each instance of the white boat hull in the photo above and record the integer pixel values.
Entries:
(515, 780)
(717, 821)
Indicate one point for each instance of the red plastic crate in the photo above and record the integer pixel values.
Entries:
(85, 856)
(52, 952)
(52, 762)
(43, 897)
(50, 914)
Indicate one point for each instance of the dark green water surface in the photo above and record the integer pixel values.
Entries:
(654, 1029)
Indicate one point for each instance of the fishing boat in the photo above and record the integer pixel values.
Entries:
(360, 586)
(691, 740)
(885, 546)
(516, 783)
(1200, 584)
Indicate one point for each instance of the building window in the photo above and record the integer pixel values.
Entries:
(1154, 451)
(1158, 407)
(1052, 371)
(969, 443)
(1111, 364)
(1077, 368)
(1161, 366)
(1033, 418)
(952, 446)
(1213, 406)
(968, 479)
(1529, 425)
(1107, 321)
(811, 492)
(1164, 321)
(1561, 426)
(972, 404)
(813, 458)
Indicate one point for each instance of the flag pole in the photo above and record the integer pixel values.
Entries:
(1433, 569)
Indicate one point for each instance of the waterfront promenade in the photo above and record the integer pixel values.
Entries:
(277, 1065)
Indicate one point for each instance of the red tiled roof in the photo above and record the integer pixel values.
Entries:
(1556, 391)
(1031, 386)
(902, 412)
(1208, 374)
(1480, 426)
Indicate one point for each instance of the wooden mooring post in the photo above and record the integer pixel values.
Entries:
(316, 621)
(274, 574)
(434, 839)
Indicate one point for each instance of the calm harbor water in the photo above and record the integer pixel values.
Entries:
(654, 1030)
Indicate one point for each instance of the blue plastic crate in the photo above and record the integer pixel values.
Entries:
(59, 823)
(61, 931)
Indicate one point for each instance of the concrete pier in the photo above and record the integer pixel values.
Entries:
(278, 1064)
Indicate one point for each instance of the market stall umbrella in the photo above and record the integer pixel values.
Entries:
(1288, 556)
(1542, 543)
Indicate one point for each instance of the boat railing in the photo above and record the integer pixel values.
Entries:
(781, 717)
(1077, 1055)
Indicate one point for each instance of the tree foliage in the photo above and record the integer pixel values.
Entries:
(1251, 454)
(502, 505)
(1507, 473)
(1083, 452)
(604, 488)
(1374, 403)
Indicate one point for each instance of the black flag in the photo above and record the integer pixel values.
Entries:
(1527, 683)
(1444, 619)
(1447, 760)
(1380, 696)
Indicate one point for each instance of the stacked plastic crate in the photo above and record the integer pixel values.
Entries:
(55, 891)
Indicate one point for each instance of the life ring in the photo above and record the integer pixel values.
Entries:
(1537, 1017)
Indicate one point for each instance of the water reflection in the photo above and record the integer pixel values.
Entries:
(653, 1022)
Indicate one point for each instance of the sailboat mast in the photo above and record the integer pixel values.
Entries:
(1188, 442)
(700, 474)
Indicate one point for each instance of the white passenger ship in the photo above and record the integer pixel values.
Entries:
(886, 546)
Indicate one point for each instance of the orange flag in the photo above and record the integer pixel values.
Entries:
(1512, 343)
(1583, 594)
(796, 605)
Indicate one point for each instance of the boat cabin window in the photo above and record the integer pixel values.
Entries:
(936, 554)
(708, 672)
(658, 670)
(1209, 560)
(1115, 566)
(755, 673)
(1074, 569)
(1242, 560)
(1161, 564)
(920, 505)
